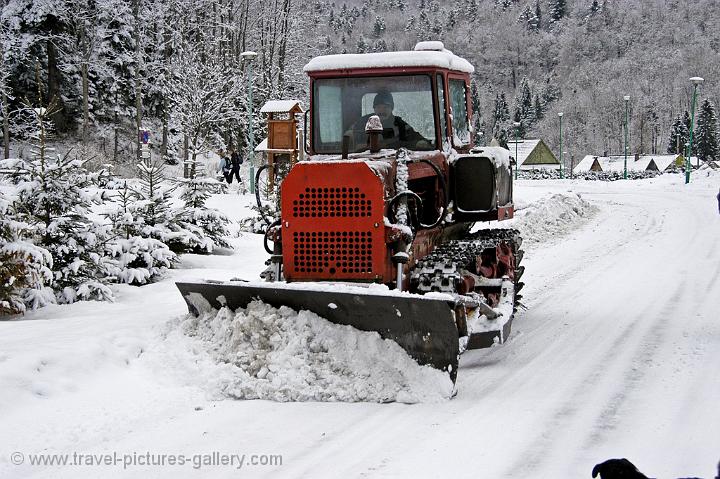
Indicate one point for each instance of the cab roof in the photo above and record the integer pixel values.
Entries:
(425, 54)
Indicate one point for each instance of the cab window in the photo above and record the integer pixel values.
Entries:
(458, 103)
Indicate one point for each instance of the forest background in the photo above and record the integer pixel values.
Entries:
(175, 66)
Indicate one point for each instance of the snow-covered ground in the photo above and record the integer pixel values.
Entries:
(615, 356)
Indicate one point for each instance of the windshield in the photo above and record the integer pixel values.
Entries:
(342, 106)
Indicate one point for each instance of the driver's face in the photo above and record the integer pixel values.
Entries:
(382, 110)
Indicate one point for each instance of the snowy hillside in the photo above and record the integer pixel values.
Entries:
(615, 356)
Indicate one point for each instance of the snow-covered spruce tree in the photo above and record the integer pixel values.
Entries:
(524, 111)
(135, 259)
(378, 27)
(477, 121)
(207, 223)
(706, 133)
(161, 220)
(501, 119)
(538, 108)
(23, 266)
(558, 10)
(52, 198)
(155, 206)
(679, 135)
(529, 19)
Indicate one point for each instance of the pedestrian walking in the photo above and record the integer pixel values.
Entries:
(234, 163)
(223, 165)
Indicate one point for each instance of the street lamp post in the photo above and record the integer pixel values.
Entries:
(249, 57)
(561, 149)
(517, 162)
(696, 81)
(627, 100)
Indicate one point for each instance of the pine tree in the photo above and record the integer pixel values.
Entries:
(410, 24)
(558, 10)
(208, 224)
(538, 107)
(501, 119)
(477, 122)
(378, 27)
(380, 45)
(437, 29)
(362, 45)
(529, 19)
(154, 199)
(538, 13)
(679, 135)
(705, 143)
(471, 10)
(23, 266)
(687, 121)
(423, 26)
(524, 111)
(52, 198)
(134, 259)
(181, 230)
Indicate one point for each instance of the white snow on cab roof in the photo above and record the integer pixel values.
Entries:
(440, 59)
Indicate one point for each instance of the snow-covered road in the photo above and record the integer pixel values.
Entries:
(616, 356)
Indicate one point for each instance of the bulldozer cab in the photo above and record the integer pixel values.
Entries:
(420, 96)
(404, 104)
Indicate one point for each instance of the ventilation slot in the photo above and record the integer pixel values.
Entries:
(331, 202)
(333, 252)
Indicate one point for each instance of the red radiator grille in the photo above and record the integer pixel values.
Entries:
(332, 202)
(333, 252)
(333, 226)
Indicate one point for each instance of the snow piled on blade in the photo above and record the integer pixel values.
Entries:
(551, 217)
(262, 352)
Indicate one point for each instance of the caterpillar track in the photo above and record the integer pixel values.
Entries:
(484, 265)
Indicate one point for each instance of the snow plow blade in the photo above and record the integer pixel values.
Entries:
(424, 327)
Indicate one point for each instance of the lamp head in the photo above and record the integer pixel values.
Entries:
(248, 56)
(516, 124)
(697, 80)
(626, 98)
(560, 114)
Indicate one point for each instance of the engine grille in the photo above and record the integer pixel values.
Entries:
(333, 252)
(333, 226)
(332, 202)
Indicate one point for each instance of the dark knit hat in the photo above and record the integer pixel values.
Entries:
(383, 98)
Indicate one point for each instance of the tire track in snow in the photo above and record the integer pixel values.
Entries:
(576, 412)
(355, 434)
(646, 341)
(654, 337)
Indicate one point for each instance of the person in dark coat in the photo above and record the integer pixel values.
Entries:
(234, 162)
(396, 131)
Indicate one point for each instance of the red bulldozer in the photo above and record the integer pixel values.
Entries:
(378, 223)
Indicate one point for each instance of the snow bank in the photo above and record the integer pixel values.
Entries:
(263, 352)
(557, 215)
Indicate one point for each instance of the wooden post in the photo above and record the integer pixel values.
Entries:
(271, 172)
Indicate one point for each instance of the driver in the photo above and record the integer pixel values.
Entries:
(396, 132)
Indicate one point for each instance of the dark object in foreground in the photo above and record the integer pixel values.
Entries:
(624, 469)
(617, 469)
